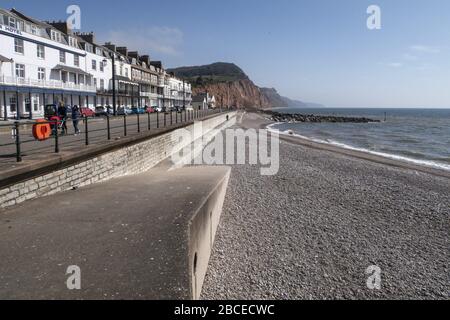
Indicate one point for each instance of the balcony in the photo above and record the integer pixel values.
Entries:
(149, 95)
(46, 84)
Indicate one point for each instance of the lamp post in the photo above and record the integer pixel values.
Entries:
(184, 96)
(113, 58)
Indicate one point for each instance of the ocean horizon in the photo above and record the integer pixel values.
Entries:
(420, 136)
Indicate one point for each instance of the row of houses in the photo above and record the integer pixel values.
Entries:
(44, 63)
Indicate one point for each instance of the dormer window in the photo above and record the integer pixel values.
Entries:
(73, 42)
(89, 48)
(56, 36)
(20, 25)
(12, 22)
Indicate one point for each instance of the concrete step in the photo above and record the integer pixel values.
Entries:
(147, 236)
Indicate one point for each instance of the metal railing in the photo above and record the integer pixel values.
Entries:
(52, 84)
(17, 140)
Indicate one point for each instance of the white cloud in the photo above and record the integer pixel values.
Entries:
(395, 64)
(410, 57)
(160, 40)
(425, 49)
(426, 67)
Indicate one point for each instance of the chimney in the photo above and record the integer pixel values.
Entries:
(146, 59)
(88, 37)
(156, 64)
(60, 25)
(123, 51)
(110, 46)
(133, 54)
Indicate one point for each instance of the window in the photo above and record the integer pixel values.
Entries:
(20, 25)
(34, 30)
(27, 105)
(126, 73)
(12, 104)
(35, 105)
(62, 57)
(102, 84)
(56, 36)
(41, 73)
(41, 51)
(89, 48)
(73, 42)
(95, 82)
(76, 60)
(20, 70)
(94, 65)
(12, 22)
(101, 66)
(18, 46)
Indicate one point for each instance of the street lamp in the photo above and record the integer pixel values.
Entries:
(105, 62)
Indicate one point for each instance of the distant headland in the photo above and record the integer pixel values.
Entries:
(231, 86)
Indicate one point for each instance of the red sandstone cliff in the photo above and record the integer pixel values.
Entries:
(239, 93)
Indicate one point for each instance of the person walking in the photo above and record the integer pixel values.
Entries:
(62, 113)
(75, 119)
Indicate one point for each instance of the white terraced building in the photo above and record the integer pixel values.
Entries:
(44, 63)
(39, 66)
(179, 93)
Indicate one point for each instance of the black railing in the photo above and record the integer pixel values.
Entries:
(17, 141)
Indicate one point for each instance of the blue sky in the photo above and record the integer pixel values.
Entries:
(312, 50)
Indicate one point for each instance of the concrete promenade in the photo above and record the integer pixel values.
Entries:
(133, 238)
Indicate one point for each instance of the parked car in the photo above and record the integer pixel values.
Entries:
(50, 110)
(87, 112)
(158, 109)
(137, 110)
(110, 110)
(69, 111)
(150, 110)
(101, 111)
(121, 111)
(179, 109)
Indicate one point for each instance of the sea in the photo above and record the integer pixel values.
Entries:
(420, 136)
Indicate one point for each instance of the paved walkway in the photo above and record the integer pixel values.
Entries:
(32, 149)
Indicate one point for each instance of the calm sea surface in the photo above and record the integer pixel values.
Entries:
(416, 135)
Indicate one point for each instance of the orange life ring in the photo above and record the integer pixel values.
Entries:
(41, 130)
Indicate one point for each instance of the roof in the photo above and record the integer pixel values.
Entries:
(199, 98)
(25, 17)
(5, 59)
(70, 69)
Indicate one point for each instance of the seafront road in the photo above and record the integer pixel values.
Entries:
(312, 230)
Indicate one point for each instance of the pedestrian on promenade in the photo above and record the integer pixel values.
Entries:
(75, 119)
(62, 113)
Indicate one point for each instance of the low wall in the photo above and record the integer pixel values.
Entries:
(132, 159)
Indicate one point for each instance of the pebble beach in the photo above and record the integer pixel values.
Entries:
(312, 230)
